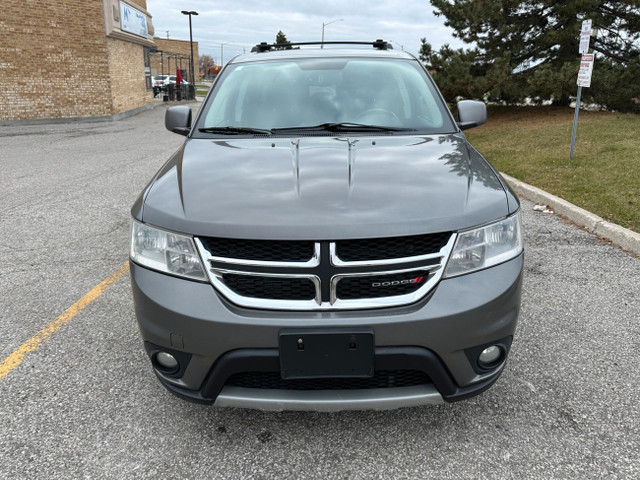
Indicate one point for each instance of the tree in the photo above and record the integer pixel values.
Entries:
(452, 70)
(529, 48)
(281, 39)
(206, 62)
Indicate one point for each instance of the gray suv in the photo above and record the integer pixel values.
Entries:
(326, 239)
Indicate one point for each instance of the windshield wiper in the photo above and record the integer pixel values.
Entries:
(340, 127)
(233, 130)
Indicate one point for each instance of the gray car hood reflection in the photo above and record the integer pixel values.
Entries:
(325, 188)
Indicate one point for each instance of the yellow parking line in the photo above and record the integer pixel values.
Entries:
(16, 358)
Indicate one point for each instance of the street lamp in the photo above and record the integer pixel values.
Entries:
(191, 12)
(221, 54)
(400, 45)
(324, 25)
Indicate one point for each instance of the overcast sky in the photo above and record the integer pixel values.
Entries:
(243, 23)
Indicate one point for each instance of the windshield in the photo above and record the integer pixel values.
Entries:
(292, 93)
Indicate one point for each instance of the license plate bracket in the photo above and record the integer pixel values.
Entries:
(326, 352)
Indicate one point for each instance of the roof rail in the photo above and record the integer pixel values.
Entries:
(265, 47)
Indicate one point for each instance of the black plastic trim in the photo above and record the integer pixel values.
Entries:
(473, 353)
(379, 44)
(386, 358)
(183, 359)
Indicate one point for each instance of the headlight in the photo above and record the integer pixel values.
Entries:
(486, 246)
(165, 251)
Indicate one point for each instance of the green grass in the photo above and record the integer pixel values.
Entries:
(202, 89)
(533, 143)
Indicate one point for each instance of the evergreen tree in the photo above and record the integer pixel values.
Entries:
(529, 48)
(281, 39)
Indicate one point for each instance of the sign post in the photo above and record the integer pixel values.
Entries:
(584, 75)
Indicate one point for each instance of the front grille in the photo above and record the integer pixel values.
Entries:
(276, 288)
(350, 288)
(380, 379)
(388, 248)
(260, 250)
(325, 275)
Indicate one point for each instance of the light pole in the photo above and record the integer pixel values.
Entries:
(400, 45)
(191, 12)
(221, 54)
(324, 25)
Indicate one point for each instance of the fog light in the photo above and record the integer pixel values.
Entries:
(490, 356)
(166, 360)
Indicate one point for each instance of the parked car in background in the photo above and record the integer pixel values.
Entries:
(158, 83)
(172, 79)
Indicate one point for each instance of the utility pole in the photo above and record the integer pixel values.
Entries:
(222, 54)
(186, 12)
(324, 25)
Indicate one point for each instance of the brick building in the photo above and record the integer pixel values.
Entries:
(172, 54)
(74, 59)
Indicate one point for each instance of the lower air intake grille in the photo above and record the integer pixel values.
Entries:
(381, 379)
(271, 288)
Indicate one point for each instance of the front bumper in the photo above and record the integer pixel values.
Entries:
(461, 313)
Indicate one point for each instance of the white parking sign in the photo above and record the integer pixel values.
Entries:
(586, 68)
(585, 36)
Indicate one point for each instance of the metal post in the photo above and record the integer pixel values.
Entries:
(324, 25)
(222, 54)
(191, 68)
(575, 123)
(191, 44)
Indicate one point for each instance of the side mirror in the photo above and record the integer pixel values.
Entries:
(471, 114)
(178, 119)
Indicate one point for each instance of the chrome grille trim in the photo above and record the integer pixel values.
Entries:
(216, 272)
(382, 301)
(335, 259)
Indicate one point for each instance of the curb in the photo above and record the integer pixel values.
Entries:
(623, 237)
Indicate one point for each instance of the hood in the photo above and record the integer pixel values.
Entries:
(324, 188)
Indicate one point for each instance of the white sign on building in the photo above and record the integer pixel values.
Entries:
(133, 21)
(586, 69)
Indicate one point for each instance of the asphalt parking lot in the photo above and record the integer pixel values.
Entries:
(85, 403)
